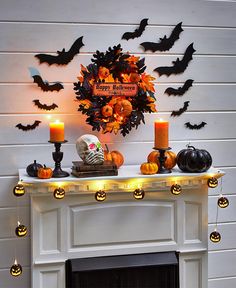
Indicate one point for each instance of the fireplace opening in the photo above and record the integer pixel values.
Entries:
(150, 270)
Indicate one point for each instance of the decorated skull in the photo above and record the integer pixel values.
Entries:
(90, 149)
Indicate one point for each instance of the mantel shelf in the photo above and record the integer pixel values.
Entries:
(129, 177)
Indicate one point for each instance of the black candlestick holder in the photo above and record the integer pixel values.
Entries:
(57, 157)
(162, 158)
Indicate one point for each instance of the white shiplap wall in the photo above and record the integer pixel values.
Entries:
(30, 27)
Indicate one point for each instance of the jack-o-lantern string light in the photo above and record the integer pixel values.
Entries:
(21, 230)
(100, 195)
(16, 269)
(138, 194)
(222, 202)
(175, 189)
(59, 193)
(19, 189)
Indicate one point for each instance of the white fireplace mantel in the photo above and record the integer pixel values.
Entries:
(78, 226)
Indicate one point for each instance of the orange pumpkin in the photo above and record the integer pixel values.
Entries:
(107, 111)
(149, 168)
(170, 161)
(123, 108)
(45, 172)
(114, 156)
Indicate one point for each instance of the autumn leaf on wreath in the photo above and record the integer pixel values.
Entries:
(112, 126)
(85, 103)
(146, 83)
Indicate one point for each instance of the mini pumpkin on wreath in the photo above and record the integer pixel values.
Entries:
(116, 112)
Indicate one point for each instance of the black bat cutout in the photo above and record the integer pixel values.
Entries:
(181, 90)
(179, 65)
(195, 126)
(29, 126)
(137, 32)
(165, 43)
(181, 110)
(63, 57)
(45, 106)
(45, 86)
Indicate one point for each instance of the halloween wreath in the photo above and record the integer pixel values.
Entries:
(115, 112)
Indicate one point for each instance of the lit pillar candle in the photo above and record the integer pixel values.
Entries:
(161, 134)
(57, 131)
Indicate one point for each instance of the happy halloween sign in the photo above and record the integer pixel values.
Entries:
(115, 89)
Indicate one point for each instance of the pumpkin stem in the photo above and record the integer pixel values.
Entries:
(44, 166)
(190, 146)
(34, 161)
(107, 148)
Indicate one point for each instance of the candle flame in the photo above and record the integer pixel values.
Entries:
(18, 223)
(15, 262)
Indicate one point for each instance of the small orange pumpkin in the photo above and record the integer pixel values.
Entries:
(45, 172)
(149, 168)
(170, 161)
(123, 108)
(114, 156)
(107, 111)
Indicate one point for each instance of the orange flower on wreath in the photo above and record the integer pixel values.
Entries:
(146, 83)
(103, 72)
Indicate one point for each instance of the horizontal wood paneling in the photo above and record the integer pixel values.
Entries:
(201, 68)
(224, 214)
(222, 264)
(228, 236)
(228, 183)
(7, 198)
(7, 281)
(76, 126)
(14, 248)
(203, 97)
(162, 12)
(223, 282)
(43, 37)
(19, 156)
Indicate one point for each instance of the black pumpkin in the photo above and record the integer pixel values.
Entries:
(194, 160)
(32, 169)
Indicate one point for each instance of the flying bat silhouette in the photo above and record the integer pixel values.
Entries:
(45, 86)
(181, 110)
(179, 65)
(28, 126)
(137, 32)
(63, 57)
(45, 106)
(164, 43)
(181, 90)
(195, 126)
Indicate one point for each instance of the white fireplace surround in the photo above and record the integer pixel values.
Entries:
(78, 226)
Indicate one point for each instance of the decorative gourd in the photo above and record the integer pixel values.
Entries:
(149, 168)
(45, 172)
(170, 161)
(32, 169)
(107, 111)
(194, 160)
(114, 156)
(123, 108)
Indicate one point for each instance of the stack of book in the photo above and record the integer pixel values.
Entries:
(108, 168)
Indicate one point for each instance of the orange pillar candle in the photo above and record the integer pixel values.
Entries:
(57, 131)
(161, 134)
